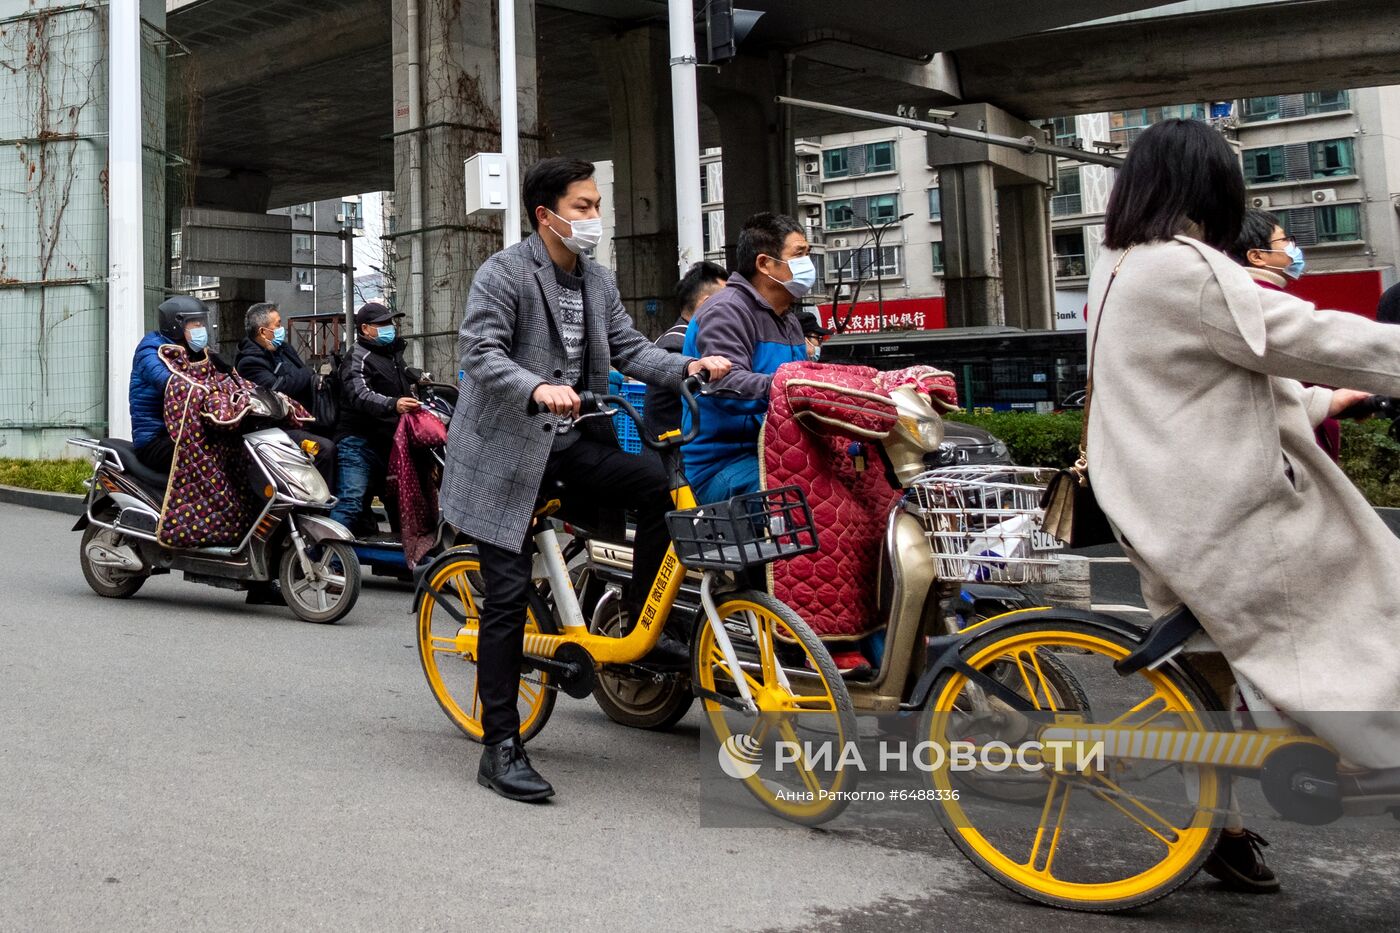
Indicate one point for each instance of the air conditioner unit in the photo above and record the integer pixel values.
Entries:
(1322, 195)
(1075, 143)
(1260, 202)
(839, 242)
(340, 218)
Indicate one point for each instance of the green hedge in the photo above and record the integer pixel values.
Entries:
(48, 475)
(1369, 456)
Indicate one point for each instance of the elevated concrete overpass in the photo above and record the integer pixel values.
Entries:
(302, 101)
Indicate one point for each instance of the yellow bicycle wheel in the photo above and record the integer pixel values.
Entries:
(800, 696)
(1093, 838)
(450, 669)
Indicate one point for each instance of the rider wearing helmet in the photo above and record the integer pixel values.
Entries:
(183, 320)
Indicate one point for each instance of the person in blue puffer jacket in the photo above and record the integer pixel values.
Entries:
(184, 320)
(752, 323)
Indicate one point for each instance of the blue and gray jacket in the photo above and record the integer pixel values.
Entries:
(738, 324)
(146, 393)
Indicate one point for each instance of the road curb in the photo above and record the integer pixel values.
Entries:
(66, 502)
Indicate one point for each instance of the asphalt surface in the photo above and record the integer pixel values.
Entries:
(183, 761)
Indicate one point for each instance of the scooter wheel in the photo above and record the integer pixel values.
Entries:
(333, 593)
(107, 581)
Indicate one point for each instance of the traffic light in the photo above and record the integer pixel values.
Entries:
(725, 28)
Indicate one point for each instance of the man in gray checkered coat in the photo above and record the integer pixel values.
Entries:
(543, 322)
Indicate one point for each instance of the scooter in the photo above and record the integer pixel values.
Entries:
(922, 602)
(292, 539)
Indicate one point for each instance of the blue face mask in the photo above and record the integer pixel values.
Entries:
(1295, 268)
(386, 335)
(804, 276)
(197, 339)
(279, 336)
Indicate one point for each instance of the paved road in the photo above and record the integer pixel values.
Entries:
(181, 761)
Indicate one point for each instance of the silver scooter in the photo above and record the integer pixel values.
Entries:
(293, 539)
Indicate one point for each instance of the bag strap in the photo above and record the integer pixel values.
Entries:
(1082, 465)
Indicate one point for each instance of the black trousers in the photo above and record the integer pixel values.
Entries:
(593, 474)
(157, 453)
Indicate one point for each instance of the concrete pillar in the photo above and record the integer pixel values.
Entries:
(461, 117)
(760, 169)
(972, 176)
(638, 77)
(971, 276)
(1024, 215)
(238, 191)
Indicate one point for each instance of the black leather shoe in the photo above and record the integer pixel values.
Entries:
(1238, 861)
(670, 652)
(506, 769)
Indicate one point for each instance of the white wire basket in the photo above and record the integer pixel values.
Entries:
(983, 523)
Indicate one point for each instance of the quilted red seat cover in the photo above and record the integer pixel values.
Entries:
(833, 587)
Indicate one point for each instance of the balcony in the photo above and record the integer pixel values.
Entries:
(1070, 265)
(809, 189)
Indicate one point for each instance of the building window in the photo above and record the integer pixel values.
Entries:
(1065, 131)
(1264, 165)
(860, 264)
(1332, 157)
(1067, 199)
(302, 241)
(1284, 106)
(1326, 101)
(704, 185)
(839, 215)
(1125, 126)
(834, 163)
(350, 210)
(935, 204)
(858, 160)
(880, 157)
(1338, 223)
(937, 257)
(843, 213)
(1069, 253)
(1331, 223)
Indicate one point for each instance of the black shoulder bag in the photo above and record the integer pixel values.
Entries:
(1072, 512)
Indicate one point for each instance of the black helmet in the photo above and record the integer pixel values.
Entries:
(176, 312)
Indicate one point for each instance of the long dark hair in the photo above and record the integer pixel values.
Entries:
(1179, 171)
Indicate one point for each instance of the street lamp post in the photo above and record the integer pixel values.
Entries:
(876, 233)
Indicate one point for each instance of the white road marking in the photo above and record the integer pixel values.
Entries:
(1115, 607)
(1107, 560)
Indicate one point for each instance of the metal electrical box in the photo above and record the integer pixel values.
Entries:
(487, 182)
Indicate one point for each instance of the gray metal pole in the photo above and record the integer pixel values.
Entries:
(1027, 144)
(347, 258)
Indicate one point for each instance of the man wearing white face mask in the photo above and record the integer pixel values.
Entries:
(543, 323)
(753, 323)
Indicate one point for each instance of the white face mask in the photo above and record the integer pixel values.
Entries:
(585, 234)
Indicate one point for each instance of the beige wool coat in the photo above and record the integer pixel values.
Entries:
(1201, 453)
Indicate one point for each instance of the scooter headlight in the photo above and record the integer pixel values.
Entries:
(298, 476)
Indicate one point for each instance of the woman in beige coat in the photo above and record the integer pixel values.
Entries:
(1202, 455)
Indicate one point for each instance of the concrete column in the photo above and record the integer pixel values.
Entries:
(238, 191)
(760, 169)
(644, 174)
(461, 117)
(971, 277)
(1024, 215)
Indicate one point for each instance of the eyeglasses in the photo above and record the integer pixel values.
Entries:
(1286, 241)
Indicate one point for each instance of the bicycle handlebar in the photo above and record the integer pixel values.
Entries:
(590, 404)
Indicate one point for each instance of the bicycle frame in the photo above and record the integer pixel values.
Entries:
(661, 598)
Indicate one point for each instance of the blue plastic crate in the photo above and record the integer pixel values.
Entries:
(627, 436)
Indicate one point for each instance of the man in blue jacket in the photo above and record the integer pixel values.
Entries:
(183, 319)
(751, 322)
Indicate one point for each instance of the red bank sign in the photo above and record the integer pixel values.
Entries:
(899, 314)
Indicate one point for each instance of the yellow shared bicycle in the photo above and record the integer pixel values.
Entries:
(1119, 797)
(754, 661)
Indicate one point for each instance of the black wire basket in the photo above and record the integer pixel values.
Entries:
(745, 531)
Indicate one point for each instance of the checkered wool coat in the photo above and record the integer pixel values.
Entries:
(509, 344)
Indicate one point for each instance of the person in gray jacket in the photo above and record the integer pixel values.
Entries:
(542, 323)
